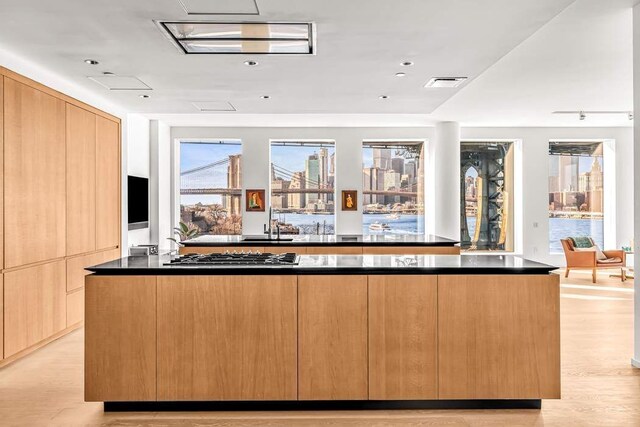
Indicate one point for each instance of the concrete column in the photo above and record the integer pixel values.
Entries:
(635, 361)
(160, 224)
(445, 163)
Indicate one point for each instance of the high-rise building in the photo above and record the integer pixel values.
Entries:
(568, 170)
(391, 182)
(373, 180)
(397, 164)
(233, 202)
(297, 200)
(382, 158)
(312, 175)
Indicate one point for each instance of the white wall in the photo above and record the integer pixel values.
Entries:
(138, 164)
(256, 152)
(535, 150)
(534, 142)
(635, 173)
(160, 179)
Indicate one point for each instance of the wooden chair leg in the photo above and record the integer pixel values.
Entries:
(623, 274)
(594, 275)
(566, 273)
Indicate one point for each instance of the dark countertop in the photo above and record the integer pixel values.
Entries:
(329, 240)
(336, 264)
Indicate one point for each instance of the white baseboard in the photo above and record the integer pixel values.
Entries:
(635, 363)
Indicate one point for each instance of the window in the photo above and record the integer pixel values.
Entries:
(393, 188)
(302, 187)
(486, 196)
(211, 186)
(576, 200)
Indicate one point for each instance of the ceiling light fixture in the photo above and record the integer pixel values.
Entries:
(406, 63)
(144, 96)
(582, 114)
(265, 97)
(250, 63)
(107, 73)
(445, 82)
(383, 97)
(401, 74)
(91, 62)
(210, 37)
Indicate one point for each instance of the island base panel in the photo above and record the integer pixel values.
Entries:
(499, 336)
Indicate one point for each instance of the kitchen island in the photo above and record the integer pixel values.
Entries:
(362, 330)
(357, 244)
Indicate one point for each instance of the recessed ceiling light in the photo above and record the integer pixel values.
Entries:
(445, 82)
(401, 74)
(265, 97)
(144, 96)
(383, 97)
(406, 63)
(251, 63)
(91, 62)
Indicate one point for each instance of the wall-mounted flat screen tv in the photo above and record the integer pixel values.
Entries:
(138, 202)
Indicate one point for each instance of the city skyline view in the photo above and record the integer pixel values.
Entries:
(576, 196)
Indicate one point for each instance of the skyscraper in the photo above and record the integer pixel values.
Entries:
(323, 171)
(568, 169)
(397, 164)
(312, 176)
(382, 158)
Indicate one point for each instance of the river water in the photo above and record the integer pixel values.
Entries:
(559, 228)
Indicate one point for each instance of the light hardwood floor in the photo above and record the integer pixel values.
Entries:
(599, 387)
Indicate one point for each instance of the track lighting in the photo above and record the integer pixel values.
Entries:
(582, 115)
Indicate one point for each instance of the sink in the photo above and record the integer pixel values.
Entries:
(267, 239)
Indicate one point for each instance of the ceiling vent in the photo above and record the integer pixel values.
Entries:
(113, 82)
(445, 82)
(200, 37)
(220, 7)
(213, 106)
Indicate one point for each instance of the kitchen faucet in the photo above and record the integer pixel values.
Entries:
(268, 229)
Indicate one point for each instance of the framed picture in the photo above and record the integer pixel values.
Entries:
(349, 200)
(255, 200)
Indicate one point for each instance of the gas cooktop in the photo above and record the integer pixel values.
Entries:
(235, 258)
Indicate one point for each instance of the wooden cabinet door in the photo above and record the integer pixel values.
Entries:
(34, 175)
(1, 314)
(332, 338)
(34, 305)
(81, 180)
(499, 337)
(120, 338)
(403, 356)
(107, 183)
(227, 338)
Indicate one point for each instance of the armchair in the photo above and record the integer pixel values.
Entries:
(587, 260)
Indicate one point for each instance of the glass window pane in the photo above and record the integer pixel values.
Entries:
(486, 196)
(393, 188)
(247, 46)
(188, 30)
(211, 186)
(576, 200)
(302, 187)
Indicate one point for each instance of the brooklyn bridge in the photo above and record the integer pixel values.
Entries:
(210, 178)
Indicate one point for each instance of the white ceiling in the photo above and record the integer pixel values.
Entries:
(524, 58)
